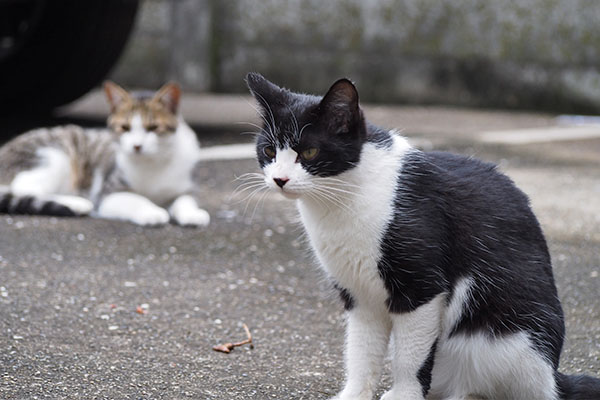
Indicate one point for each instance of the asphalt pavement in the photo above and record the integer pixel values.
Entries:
(94, 309)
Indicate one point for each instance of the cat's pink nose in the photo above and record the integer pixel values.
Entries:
(137, 148)
(281, 181)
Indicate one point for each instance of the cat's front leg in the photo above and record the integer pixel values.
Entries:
(367, 337)
(132, 207)
(185, 211)
(413, 341)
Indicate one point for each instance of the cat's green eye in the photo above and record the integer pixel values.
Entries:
(152, 127)
(309, 154)
(269, 152)
(125, 127)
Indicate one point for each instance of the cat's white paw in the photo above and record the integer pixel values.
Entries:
(347, 395)
(149, 216)
(395, 394)
(193, 217)
(79, 205)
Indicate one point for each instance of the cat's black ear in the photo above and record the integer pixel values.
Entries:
(169, 96)
(339, 106)
(266, 93)
(115, 95)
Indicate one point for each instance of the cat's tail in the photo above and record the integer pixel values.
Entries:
(56, 205)
(578, 387)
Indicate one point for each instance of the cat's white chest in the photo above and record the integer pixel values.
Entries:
(348, 255)
(161, 182)
(347, 239)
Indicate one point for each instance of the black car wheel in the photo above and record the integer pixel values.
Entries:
(54, 51)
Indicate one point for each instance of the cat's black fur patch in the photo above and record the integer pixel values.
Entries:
(11, 204)
(458, 217)
(577, 387)
(346, 297)
(424, 374)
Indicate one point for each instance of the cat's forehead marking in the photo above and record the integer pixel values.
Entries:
(150, 112)
(136, 121)
(286, 156)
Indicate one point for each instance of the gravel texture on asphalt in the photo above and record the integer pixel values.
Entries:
(70, 326)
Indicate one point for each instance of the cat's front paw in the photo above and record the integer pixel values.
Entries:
(150, 216)
(395, 394)
(347, 395)
(78, 205)
(195, 217)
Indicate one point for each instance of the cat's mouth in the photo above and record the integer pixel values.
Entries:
(289, 195)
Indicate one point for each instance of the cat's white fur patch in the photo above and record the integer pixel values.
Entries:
(132, 207)
(284, 166)
(459, 303)
(413, 335)
(185, 212)
(50, 181)
(497, 368)
(148, 143)
(52, 175)
(367, 337)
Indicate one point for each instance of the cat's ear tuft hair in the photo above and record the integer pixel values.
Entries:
(169, 95)
(115, 95)
(266, 93)
(340, 106)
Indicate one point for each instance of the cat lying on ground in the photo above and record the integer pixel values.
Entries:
(140, 170)
(438, 255)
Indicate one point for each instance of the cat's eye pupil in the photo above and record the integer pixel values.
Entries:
(125, 127)
(152, 127)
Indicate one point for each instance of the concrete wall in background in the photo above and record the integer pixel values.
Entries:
(540, 54)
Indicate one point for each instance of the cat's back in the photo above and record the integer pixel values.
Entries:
(82, 148)
(463, 182)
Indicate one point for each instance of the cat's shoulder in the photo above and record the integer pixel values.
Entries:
(443, 163)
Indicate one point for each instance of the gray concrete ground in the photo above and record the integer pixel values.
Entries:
(69, 288)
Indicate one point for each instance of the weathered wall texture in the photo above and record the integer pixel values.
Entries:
(529, 53)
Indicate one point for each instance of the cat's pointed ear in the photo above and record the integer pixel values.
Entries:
(339, 106)
(115, 94)
(169, 96)
(265, 92)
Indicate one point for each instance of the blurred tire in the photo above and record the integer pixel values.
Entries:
(59, 49)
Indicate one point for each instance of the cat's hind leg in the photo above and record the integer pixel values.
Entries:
(503, 367)
(185, 211)
(43, 189)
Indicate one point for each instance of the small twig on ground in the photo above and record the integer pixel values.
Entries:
(227, 347)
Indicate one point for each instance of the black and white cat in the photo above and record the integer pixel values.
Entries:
(438, 255)
(139, 170)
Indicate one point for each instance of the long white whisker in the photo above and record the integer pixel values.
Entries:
(249, 198)
(258, 202)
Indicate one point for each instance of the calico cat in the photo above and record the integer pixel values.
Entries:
(140, 170)
(437, 254)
